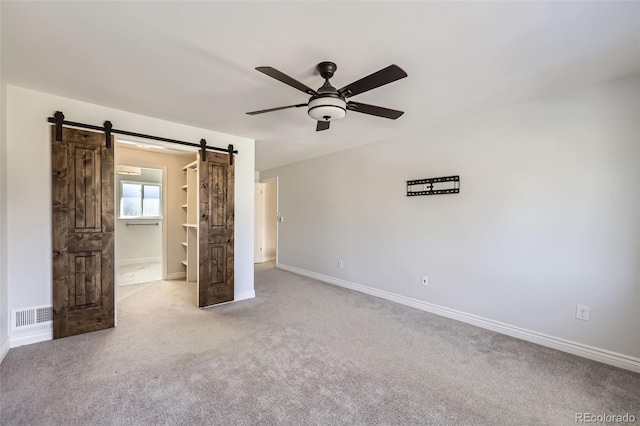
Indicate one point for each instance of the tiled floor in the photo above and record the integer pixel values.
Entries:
(126, 291)
(139, 273)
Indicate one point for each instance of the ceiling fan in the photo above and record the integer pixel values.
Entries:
(328, 103)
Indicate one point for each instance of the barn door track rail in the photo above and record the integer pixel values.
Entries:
(107, 128)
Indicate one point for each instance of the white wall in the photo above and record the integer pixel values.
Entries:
(269, 224)
(4, 299)
(4, 307)
(29, 189)
(547, 218)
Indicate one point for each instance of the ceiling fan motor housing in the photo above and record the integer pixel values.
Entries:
(328, 105)
(327, 108)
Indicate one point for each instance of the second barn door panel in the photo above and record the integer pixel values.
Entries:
(216, 230)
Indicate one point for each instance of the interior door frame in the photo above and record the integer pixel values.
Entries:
(277, 180)
(258, 186)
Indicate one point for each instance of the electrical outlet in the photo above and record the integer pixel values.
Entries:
(582, 312)
(340, 264)
(425, 280)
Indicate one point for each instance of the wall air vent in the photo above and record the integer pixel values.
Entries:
(31, 317)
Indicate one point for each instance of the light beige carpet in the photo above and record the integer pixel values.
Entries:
(301, 352)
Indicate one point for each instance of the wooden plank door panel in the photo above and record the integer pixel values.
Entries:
(83, 230)
(216, 230)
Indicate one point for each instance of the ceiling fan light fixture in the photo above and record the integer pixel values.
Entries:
(327, 108)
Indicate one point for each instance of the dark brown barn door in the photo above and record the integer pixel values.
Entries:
(83, 247)
(215, 279)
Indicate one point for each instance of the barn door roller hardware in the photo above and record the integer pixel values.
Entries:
(59, 121)
(433, 186)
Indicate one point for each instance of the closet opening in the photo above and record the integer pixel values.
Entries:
(150, 208)
(139, 224)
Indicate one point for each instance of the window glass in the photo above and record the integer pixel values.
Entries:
(140, 200)
(130, 205)
(151, 201)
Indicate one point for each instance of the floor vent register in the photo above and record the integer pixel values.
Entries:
(31, 317)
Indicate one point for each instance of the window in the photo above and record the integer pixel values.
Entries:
(140, 199)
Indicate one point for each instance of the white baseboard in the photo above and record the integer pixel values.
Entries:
(125, 262)
(597, 354)
(244, 295)
(29, 338)
(177, 276)
(4, 349)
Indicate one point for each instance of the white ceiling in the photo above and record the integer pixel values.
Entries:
(194, 62)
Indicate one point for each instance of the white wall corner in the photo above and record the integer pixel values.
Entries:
(4, 349)
(177, 276)
(4, 283)
(596, 354)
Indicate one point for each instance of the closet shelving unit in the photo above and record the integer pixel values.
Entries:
(190, 225)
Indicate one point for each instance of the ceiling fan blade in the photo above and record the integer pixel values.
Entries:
(380, 78)
(280, 76)
(262, 111)
(322, 125)
(374, 110)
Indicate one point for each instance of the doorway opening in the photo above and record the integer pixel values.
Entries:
(150, 208)
(267, 218)
(139, 224)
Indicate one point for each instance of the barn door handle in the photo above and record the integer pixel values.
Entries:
(203, 215)
(229, 240)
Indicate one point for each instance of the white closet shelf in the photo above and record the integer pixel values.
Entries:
(191, 222)
(192, 165)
